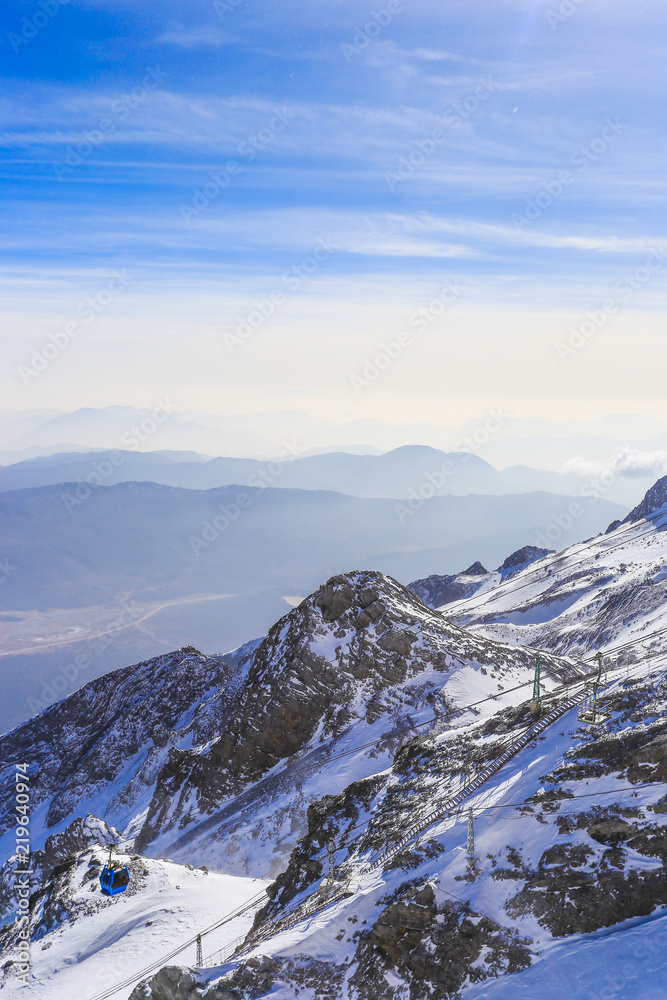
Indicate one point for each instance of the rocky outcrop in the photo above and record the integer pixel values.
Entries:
(575, 890)
(79, 747)
(654, 500)
(351, 653)
(521, 558)
(436, 591)
(436, 947)
(332, 817)
(176, 983)
(59, 850)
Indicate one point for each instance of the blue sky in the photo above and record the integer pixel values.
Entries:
(202, 151)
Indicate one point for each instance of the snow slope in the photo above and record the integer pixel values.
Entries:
(325, 700)
(593, 595)
(104, 941)
(552, 883)
(626, 964)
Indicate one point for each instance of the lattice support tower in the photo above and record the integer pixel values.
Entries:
(331, 872)
(536, 704)
(471, 834)
(590, 713)
(199, 961)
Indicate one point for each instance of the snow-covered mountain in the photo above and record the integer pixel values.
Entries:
(351, 671)
(100, 750)
(201, 761)
(564, 887)
(368, 721)
(570, 833)
(608, 590)
(85, 943)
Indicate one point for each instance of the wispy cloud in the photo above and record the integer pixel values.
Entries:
(352, 123)
(192, 37)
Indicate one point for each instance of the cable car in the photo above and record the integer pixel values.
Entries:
(114, 877)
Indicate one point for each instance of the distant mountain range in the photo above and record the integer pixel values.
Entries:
(414, 471)
(538, 443)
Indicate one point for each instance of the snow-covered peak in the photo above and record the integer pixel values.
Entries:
(167, 751)
(352, 670)
(654, 501)
(437, 590)
(595, 595)
(521, 558)
(560, 866)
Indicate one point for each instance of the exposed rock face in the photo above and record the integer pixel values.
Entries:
(653, 501)
(435, 947)
(524, 557)
(575, 891)
(638, 753)
(476, 569)
(435, 591)
(332, 816)
(175, 983)
(611, 831)
(438, 590)
(79, 747)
